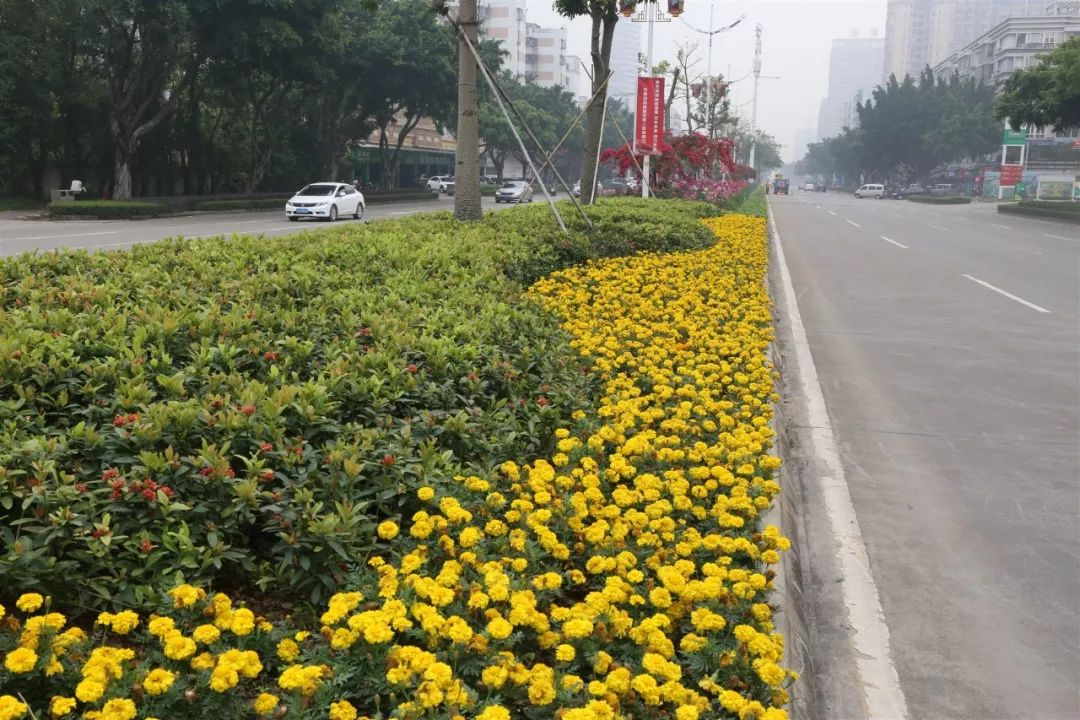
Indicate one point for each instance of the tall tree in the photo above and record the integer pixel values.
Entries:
(1046, 95)
(147, 57)
(467, 161)
(603, 14)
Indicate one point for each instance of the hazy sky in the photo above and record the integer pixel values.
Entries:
(796, 38)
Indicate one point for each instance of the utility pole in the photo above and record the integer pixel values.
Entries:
(753, 109)
(645, 180)
(467, 164)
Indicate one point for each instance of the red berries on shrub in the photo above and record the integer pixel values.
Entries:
(122, 420)
(388, 459)
(270, 356)
(267, 475)
(248, 410)
(146, 546)
(266, 447)
(542, 402)
(412, 368)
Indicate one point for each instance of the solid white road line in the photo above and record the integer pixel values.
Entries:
(832, 213)
(1003, 227)
(51, 237)
(897, 244)
(1007, 294)
(882, 695)
(1059, 237)
(852, 222)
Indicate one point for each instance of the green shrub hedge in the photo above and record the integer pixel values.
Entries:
(249, 204)
(240, 414)
(1064, 211)
(940, 199)
(108, 209)
(751, 202)
(19, 203)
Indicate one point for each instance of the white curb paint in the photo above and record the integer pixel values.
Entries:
(878, 679)
(1007, 294)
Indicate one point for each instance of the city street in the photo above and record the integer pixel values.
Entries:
(20, 235)
(947, 345)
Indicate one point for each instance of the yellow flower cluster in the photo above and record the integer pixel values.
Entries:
(627, 574)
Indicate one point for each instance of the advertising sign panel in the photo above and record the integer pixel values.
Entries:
(649, 118)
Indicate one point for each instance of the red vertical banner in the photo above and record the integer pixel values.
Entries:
(649, 116)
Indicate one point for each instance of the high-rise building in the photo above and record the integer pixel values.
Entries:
(505, 20)
(955, 23)
(854, 70)
(545, 54)
(625, 47)
(924, 32)
(907, 37)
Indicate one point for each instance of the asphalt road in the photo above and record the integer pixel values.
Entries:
(947, 344)
(18, 235)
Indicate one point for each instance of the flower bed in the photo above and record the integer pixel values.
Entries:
(623, 573)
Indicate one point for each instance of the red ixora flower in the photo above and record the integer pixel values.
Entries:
(542, 402)
(412, 368)
(146, 546)
(230, 473)
(81, 487)
(270, 356)
(266, 447)
(122, 420)
(388, 459)
(96, 533)
(267, 475)
(248, 410)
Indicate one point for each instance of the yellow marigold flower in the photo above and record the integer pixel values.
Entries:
(12, 708)
(342, 710)
(186, 595)
(494, 676)
(158, 681)
(203, 661)
(89, 690)
(499, 629)
(60, 706)
(494, 712)
(388, 530)
(571, 682)
(577, 628)
(124, 622)
(565, 653)
(160, 626)
(178, 647)
(265, 703)
(118, 709)
(732, 701)
(425, 493)
(243, 622)
(21, 660)
(686, 712)
(3, 612)
(288, 650)
(29, 602)
(206, 634)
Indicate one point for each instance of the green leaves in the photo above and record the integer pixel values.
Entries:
(1047, 94)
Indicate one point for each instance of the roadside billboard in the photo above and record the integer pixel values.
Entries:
(649, 116)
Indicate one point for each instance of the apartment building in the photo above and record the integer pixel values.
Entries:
(924, 32)
(1013, 44)
(854, 69)
(625, 48)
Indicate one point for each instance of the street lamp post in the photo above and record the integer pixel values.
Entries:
(708, 69)
(651, 14)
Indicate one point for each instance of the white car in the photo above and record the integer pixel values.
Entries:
(871, 190)
(808, 186)
(435, 182)
(326, 201)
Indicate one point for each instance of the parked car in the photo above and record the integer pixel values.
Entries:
(434, 183)
(514, 191)
(447, 186)
(871, 190)
(820, 187)
(942, 189)
(808, 186)
(912, 189)
(326, 201)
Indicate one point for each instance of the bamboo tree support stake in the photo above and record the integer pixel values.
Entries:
(506, 115)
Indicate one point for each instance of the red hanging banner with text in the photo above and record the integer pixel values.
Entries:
(649, 118)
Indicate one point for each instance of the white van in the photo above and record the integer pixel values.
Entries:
(877, 191)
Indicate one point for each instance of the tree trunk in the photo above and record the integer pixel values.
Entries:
(499, 162)
(603, 28)
(467, 163)
(122, 175)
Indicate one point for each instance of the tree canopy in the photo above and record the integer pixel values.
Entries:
(909, 127)
(1046, 94)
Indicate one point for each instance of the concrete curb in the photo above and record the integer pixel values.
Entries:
(789, 581)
